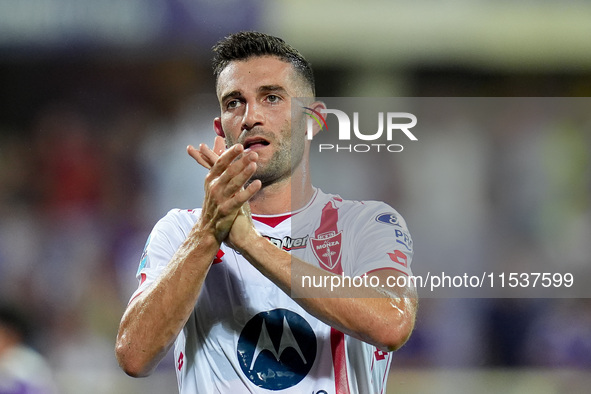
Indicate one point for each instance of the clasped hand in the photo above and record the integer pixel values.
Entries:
(225, 212)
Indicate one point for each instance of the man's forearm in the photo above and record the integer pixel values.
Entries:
(154, 318)
(382, 318)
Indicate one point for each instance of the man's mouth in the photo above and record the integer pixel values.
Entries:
(255, 143)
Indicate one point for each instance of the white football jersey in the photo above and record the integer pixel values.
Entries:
(245, 335)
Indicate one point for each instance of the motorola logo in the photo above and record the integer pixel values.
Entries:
(276, 349)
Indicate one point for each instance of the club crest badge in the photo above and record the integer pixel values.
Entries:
(327, 249)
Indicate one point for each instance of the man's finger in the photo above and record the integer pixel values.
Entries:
(219, 145)
(238, 173)
(209, 154)
(238, 203)
(246, 194)
(225, 159)
(199, 157)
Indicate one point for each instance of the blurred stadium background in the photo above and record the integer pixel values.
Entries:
(99, 99)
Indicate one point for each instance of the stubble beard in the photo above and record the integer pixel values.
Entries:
(287, 156)
(280, 166)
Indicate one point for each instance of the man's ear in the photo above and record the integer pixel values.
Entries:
(317, 106)
(217, 126)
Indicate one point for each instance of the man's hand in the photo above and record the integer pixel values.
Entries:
(225, 191)
(205, 156)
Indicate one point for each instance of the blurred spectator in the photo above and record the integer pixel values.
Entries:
(22, 369)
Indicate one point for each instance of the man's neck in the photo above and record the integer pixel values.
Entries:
(282, 197)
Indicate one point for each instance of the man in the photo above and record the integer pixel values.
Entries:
(214, 281)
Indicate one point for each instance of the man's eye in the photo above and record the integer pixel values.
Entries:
(233, 104)
(273, 98)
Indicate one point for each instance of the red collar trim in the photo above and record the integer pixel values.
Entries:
(272, 221)
(275, 220)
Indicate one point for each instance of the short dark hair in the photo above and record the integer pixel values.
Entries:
(246, 44)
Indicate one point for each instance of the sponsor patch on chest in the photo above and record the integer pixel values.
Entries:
(288, 243)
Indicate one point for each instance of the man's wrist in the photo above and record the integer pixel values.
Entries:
(248, 242)
(204, 233)
(208, 227)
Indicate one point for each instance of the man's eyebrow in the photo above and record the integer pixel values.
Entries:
(232, 94)
(261, 89)
(272, 88)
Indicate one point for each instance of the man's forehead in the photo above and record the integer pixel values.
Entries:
(255, 72)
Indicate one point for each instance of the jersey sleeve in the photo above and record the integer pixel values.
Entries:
(166, 237)
(382, 241)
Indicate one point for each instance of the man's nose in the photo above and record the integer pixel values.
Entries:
(253, 116)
